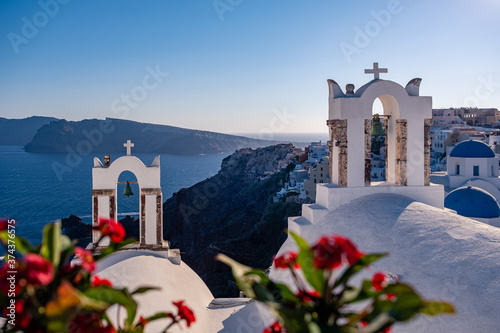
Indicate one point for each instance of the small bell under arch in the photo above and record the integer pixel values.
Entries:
(128, 190)
(377, 129)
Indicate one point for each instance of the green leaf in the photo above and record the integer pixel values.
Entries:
(21, 245)
(157, 316)
(301, 242)
(51, 243)
(433, 308)
(142, 290)
(364, 261)
(350, 295)
(262, 293)
(408, 303)
(113, 247)
(284, 292)
(66, 303)
(244, 276)
(65, 242)
(296, 321)
(315, 277)
(380, 322)
(115, 296)
(365, 292)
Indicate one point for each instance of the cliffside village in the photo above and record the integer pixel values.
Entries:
(450, 127)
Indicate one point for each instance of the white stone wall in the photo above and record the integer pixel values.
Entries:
(399, 105)
(148, 178)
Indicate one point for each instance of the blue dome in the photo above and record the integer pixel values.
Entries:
(472, 148)
(472, 202)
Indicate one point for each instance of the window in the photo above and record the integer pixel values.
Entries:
(476, 170)
(458, 169)
(314, 180)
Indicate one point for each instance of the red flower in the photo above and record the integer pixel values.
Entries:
(142, 321)
(96, 282)
(4, 224)
(352, 254)
(111, 228)
(275, 328)
(379, 281)
(390, 296)
(329, 252)
(286, 260)
(185, 313)
(86, 259)
(89, 323)
(38, 271)
(23, 318)
(307, 296)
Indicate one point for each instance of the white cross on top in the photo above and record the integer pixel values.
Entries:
(376, 71)
(129, 146)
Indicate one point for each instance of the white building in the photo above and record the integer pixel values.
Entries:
(317, 150)
(472, 160)
(318, 174)
(441, 140)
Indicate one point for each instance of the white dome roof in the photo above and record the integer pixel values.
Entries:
(137, 268)
(445, 256)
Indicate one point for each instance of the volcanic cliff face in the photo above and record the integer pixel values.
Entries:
(21, 131)
(108, 135)
(232, 213)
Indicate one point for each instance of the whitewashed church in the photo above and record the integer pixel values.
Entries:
(444, 255)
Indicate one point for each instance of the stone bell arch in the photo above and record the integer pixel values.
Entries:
(104, 203)
(408, 118)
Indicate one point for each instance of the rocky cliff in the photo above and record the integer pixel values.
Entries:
(95, 135)
(21, 131)
(232, 213)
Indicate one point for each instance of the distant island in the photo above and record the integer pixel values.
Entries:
(97, 135)
(21, 131)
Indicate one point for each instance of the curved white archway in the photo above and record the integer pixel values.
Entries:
(410, 116)
(104, 203)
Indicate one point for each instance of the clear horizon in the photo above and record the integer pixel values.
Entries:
(238, 66)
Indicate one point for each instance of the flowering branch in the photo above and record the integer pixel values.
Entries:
(328, 267)
(51, 294)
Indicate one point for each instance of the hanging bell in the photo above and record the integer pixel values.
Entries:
(128, 190)
(377, 129)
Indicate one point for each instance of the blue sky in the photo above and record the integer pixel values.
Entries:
(237, 66)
